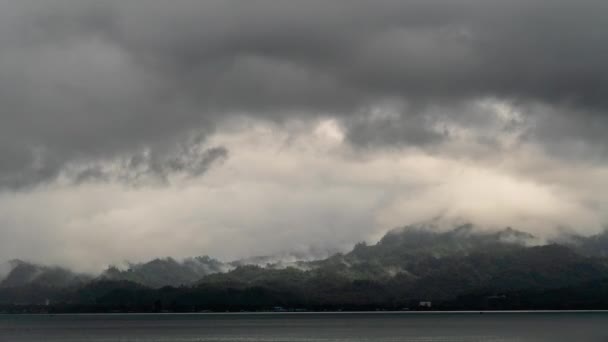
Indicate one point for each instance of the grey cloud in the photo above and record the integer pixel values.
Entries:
(148, 168)
(95, 80)
(417, 130)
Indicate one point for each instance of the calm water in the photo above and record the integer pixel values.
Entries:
(308, 327)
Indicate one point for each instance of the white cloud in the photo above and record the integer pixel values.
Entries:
(283, 190)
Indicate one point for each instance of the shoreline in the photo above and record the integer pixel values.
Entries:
(271, 313)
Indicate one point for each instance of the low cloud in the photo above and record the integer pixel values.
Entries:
(286, 191)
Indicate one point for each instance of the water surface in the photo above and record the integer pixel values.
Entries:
(308, 327)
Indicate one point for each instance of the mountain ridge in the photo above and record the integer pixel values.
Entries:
(407, 264)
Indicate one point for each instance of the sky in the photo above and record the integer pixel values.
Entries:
(136, 129)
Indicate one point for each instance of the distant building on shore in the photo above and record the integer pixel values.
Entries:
(425, 304)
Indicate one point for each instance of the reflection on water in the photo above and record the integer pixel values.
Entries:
(308, 327)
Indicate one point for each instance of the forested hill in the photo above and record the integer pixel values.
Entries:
(459, 269)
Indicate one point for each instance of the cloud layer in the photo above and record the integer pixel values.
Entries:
(128, 103)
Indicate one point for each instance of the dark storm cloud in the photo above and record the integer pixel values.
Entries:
(83, 80)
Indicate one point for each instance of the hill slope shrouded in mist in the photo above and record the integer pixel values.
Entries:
(463, 268)
(167, 272)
